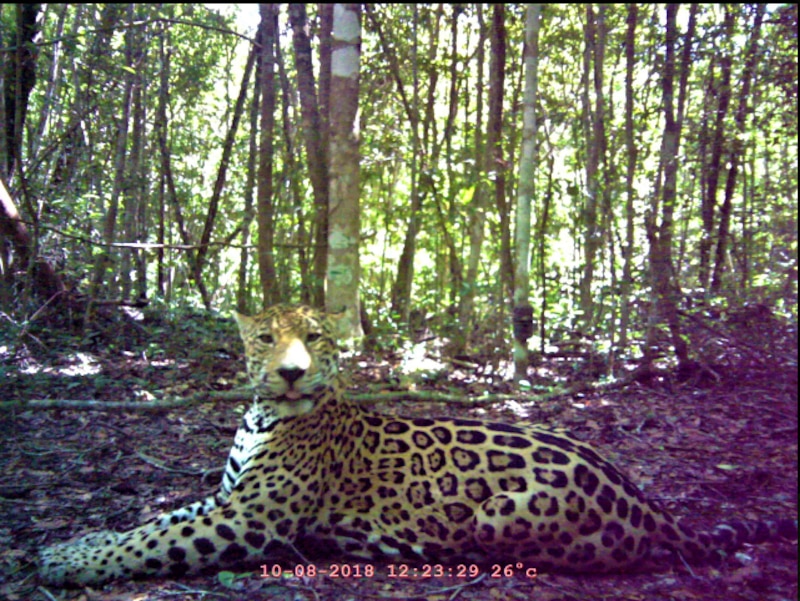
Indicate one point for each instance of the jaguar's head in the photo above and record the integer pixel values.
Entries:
(292, 356)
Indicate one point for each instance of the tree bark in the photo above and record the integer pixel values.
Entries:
(665, 288)
(422, 146)
(523, 313)
(594, 134)
(265, 213)
(631, 154)
(219, 182)
(20, 77)
(477, 207)
(735, 156)
(496, 165)
(103, 260)
(47, 283)
(160, 128)
(134, 199)
(344, 216)
(315, 151)
(242, 292)
(709, 196)
(293, 177)
(401, 288)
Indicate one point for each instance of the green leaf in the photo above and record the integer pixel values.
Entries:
(228, 579)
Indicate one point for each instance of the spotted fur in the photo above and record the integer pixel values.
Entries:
(309, 466)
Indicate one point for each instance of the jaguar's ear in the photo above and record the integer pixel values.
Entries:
(243, 321)
(338, 319)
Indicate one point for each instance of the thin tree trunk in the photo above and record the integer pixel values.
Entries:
(736, 152)
(315, 152)
(455, 274)
(401, 289)
(477, 216)
(630, 147)
(344, 216)
(543, 223)
(709, 198)
(242, 291)
(293, 178)
(162, 129)
(324, 96)
(103, 261)
(402, 285)
(665, 288)
(4, 149)
(266, 259)
(594, 133)
(523, 312)
(54, 80)
(134, 193)
(494, 148)
(163, 165)
(219, 182)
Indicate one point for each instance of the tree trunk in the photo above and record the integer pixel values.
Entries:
(324, 95)
(630, 147)
(344, 216)
(4, 149)
(265, 215)
(293, 177)
(46, 282)
(422, 145)
(543, 222)
(242, 289)
(523, 312)
(494, 149)
(477, 208)
(103, 261)
(401, 288)
(54, 84)
(666, 291)
(735, 156)
(709, 197)
(219, 182)
(19, 79)
(134, 196)
(160, 132)
(315, 151)
(594, 134)
(448, 225)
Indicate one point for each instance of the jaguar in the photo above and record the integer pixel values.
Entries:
(311, 469)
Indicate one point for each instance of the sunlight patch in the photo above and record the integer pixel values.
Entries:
(517, 408)
(78, 364)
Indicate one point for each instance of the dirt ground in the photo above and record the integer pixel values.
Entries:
(706, 450)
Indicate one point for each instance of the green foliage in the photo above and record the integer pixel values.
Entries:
(89, 52)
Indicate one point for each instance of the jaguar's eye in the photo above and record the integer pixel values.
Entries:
(266, 338)
(312, 336)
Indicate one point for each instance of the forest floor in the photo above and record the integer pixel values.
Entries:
(721, 448)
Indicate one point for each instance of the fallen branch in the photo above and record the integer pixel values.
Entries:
(158, 405)
(246, 394)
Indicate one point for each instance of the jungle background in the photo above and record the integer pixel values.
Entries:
(578, 214)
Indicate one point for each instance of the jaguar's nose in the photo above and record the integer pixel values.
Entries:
(291, 374)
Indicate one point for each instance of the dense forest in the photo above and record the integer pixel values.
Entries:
(159, 152)
(610, 187)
